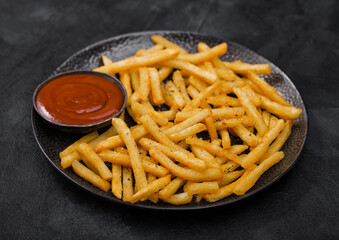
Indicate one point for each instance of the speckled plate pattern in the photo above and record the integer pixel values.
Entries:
(53, 141)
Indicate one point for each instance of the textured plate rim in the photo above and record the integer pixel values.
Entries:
(183, 207)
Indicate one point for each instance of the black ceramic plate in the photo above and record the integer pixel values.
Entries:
(52, 141)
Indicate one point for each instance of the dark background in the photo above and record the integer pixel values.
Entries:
(301, 37)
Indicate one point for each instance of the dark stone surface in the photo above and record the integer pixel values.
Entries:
(301, 37)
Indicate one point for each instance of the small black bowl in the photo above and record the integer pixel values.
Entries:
(81, 128)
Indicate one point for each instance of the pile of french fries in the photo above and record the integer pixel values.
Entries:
(161, 157)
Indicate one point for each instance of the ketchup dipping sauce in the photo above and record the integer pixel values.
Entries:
(80, 98)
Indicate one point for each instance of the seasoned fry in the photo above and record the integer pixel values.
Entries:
(180, 84)
(200, 188)
(85, 139)
(116, 180)
(196, 102)
(90, 176)
(223, 100)
(106, 60)
(174, 92)
(179, 199)
(228, 123)
(251, 111)
(286, 112)
(171, 188)
(246, 135)
(124, 159)
(240, 67)
(181, 157)
(163, 41)
(225, 138)
(151, 188)
(134, 62)
(258, 152)
(190, 131)
(145, 86)
(205, 55)
(254, 175)
(95, 160)
(185, 173)
(127, 183)
(155, 86)
(192, 69)
(213, 149)
(125, 134)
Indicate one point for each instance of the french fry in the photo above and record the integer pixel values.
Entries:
(124, 159)
(127, 184)
(125, 134)
(106, 60)
(190, 131)
(145, 86)
(226, 74)
(256, 100)
(192, 69)
(179, 199)
(185, 173)
(171, 188)
(216, 61)
(134, 62)
(225, 138)
(155, 86)
(154, 130)
(164, 72)
(151, 188)
(180, 85)
(267, 89)
(240, 67)
(196, 102)
(227, 190)
(141, 109)
(197, 83)
(227, 113)
(109, 133)
(66, 161)
(229, 177)
(155, 48)
(188, 122)
(201, 188)
(126, 81)
(135, 80)
(90, 176)
(213, 149)
(251, 111)
(280, 140)
(258, 152)
(116, 180)
(223, 100)
(205, 55)
(202, 154)
(163, 41)
(169, 114)
(85, 139)
(181, 157)
(286, 112)
(254, 175)
(228, 123)
(153, 197)
(95, 160)
(174, 92)
(245, 135)
(116, 141)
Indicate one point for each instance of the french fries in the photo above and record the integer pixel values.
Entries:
(163, 157)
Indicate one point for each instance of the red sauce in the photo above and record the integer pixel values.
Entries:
(79, 99)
